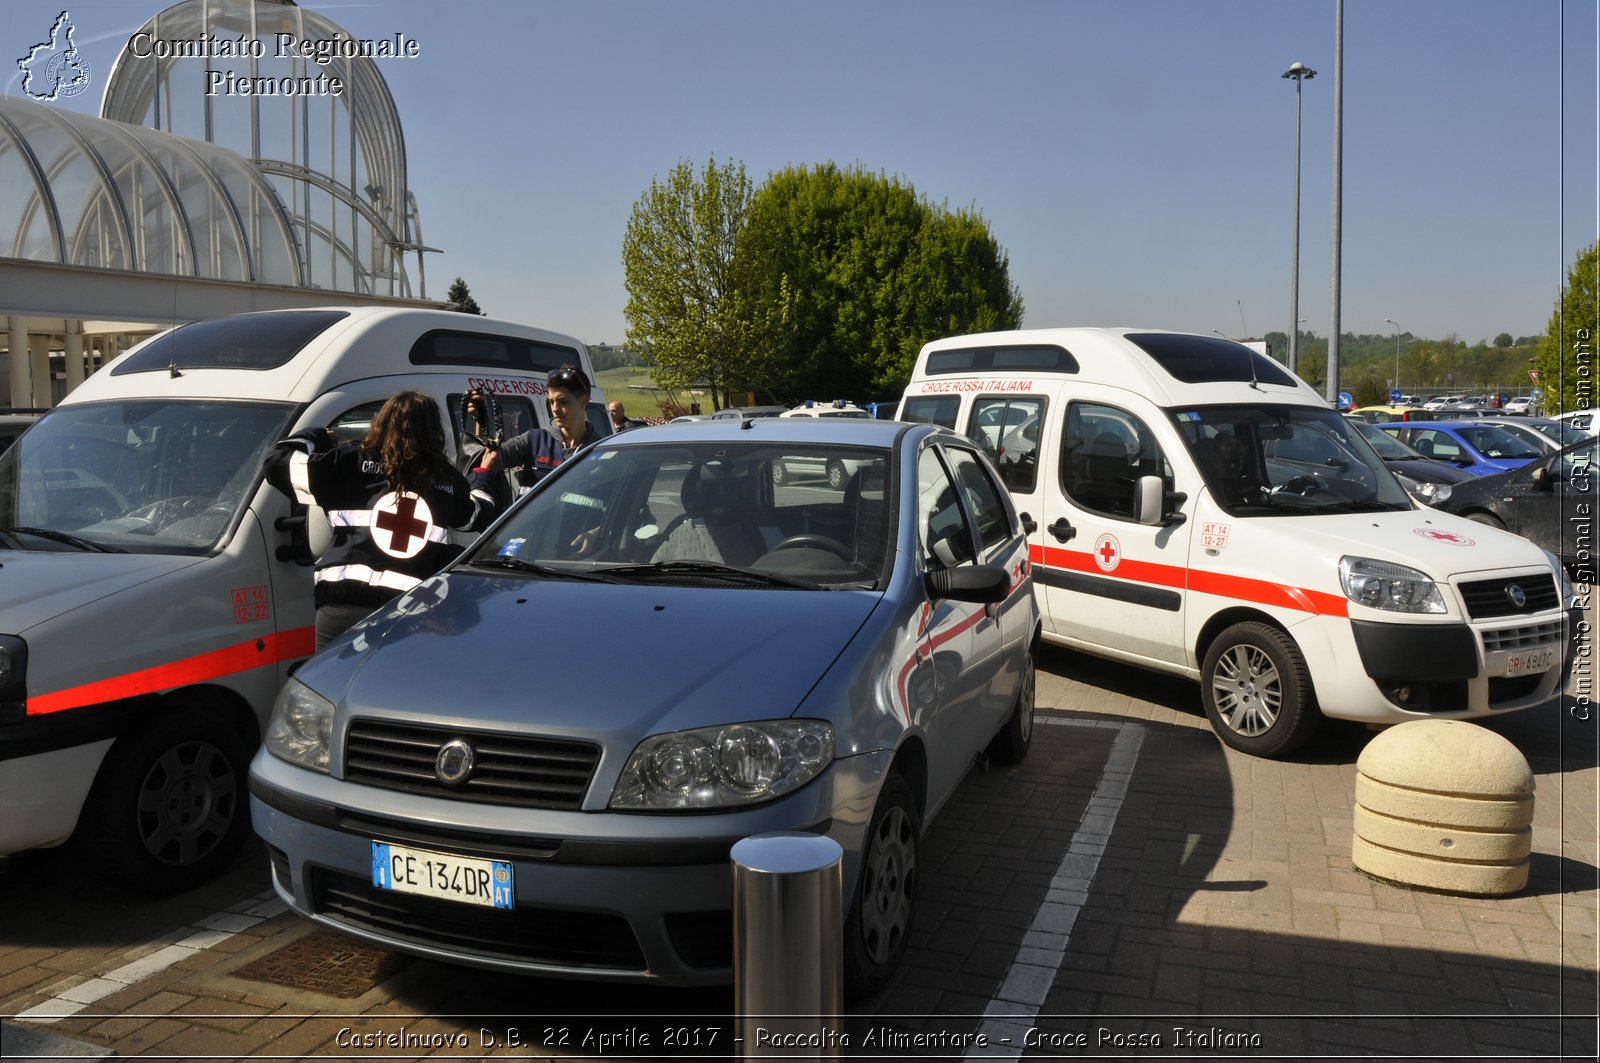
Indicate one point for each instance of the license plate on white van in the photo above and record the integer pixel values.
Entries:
(463, 879)
(1530, 661)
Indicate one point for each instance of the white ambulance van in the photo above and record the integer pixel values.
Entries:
(155, 591)
(1194, 508)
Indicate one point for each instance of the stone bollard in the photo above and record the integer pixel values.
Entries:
(1445, 805)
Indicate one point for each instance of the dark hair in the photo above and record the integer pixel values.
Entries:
(407, 435)
(569, 377)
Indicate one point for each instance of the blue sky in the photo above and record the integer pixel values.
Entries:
(1134, 158)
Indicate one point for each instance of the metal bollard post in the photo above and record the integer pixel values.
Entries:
(788, 945)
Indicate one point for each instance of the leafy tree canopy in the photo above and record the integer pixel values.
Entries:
(1566, 358)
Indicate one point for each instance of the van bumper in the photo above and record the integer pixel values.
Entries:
(43, 793)
(1383, 673)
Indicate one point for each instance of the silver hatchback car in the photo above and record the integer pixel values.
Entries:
(539, 759)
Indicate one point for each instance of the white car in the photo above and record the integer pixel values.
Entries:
(837, 470)
(1582, 420)
(1521, 406)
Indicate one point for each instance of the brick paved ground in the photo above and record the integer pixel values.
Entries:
(1200, 902)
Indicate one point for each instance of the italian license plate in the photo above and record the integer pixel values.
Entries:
(464, 879)
(1530, 661)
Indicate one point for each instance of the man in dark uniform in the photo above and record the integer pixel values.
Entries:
(534, 454)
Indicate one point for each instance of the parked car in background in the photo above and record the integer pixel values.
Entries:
(15, 422)
(1481, 449)
(1582, 420)
(1428, 480)
(836, 469)
(1550, 501)
(748, 413)
(1439, 402)
(1385, 414)
(1522, 429)
(1521, 406)
(798, 658)
(1563, 432)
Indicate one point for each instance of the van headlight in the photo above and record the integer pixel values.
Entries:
(1386, 585)
(723, 767)
(13, 662)
(301, 728)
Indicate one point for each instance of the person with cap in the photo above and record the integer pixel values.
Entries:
(536, 453)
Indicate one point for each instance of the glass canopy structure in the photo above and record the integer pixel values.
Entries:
(295, 190)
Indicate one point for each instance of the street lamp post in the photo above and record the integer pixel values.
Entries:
(1391, 321)
(1300, 72)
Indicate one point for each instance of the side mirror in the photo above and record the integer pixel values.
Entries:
(1544, 478)
(1156, 506)
(984, 584)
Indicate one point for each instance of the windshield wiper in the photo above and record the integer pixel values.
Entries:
(710, 568)
(68, 540)
(517, 564)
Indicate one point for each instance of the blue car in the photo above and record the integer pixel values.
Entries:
(1481, 449)
(538, 760)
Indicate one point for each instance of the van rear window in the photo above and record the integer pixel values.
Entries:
(248, 341)
(490, 352)
(1034, 359)
(1202, 360)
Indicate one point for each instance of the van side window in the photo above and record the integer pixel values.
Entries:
(931, 409)
(946, 540)
(983, 497)
(351, 425)
(1104, 452)
(1008, 430)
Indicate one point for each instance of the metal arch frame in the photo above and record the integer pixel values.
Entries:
(43, 192)
(343, 195)
(218, 189)
(164, 179)
(107, 181)
(264, 189)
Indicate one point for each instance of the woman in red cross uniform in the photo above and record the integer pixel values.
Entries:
(391, 501)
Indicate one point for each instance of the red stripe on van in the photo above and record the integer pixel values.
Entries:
(1239, 588)
(256, 653)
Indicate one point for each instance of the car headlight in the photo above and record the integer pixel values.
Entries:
(1386, 585)
(1569, 593)
(723, 767)
(301, 728)
(1429, 494)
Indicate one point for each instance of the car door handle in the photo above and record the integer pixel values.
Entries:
(1062, 530)
(1029, 525)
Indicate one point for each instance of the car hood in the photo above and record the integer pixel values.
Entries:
(1440, 544)
(39, 585)
(592, 660)
(1430, 470)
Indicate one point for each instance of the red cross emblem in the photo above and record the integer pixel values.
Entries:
(1107, 552)
(1451, 538)
(400, 524)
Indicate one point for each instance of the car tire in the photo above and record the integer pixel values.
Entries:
(170, 808)
(780, 474)
(1487, 519)
(875, 932)
(836, 474)
(1011, 744)
(1257, 691)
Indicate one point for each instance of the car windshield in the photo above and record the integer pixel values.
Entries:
(152, 476)
(1495, 442)
(1388, 447)
(793, 515)
(1287, 459)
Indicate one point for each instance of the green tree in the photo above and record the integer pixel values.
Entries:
(677, 259)
(844, 274)
(460, 299)
(1503, 340)
(1565, 361)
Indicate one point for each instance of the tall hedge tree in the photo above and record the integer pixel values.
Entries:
(459, 298)
(677, 259)
(1568, 372)
(844, 274)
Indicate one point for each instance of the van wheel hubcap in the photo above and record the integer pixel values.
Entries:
(1248, 690)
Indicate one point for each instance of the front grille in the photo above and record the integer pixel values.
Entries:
(508, 769)
(1491, 597)
(1512, 688)
(529, 935)
(1517, 638)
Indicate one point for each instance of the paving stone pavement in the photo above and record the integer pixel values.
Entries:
(1134, 888)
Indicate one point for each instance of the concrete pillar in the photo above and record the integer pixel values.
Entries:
(41, 372)
(74, 361)
(21, 393)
